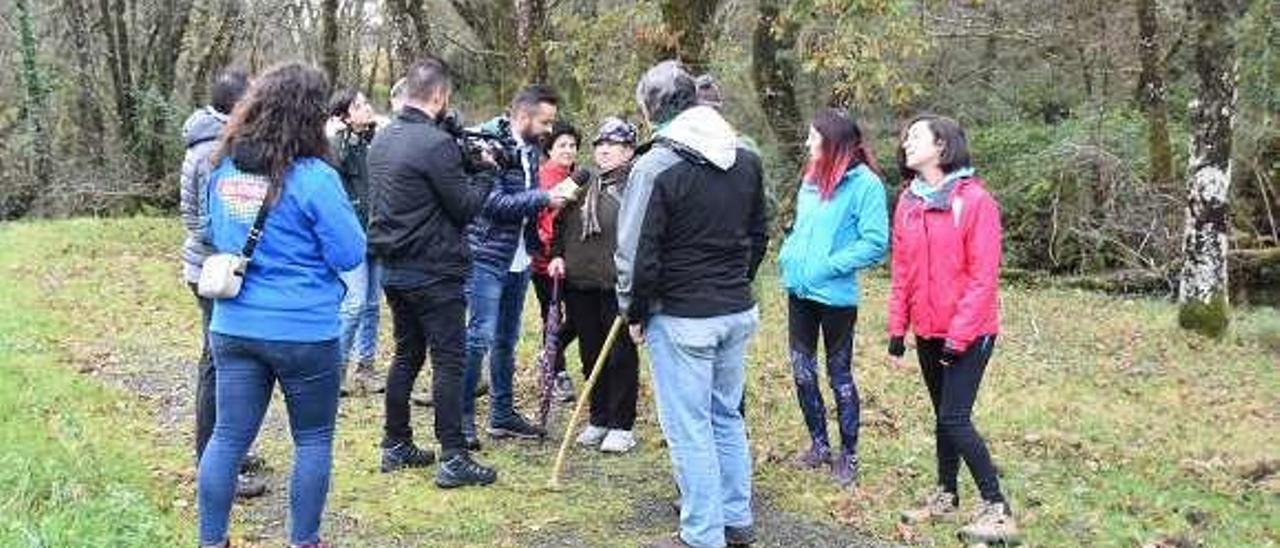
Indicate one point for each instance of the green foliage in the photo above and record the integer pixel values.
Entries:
(867, 49)
(596, 61)
(1073, 195)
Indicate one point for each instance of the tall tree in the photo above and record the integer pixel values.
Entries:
(1153, 95)
(1202, 293)
(531, 16)
(774, 71)
(329, 40)
(119, 56)
(91, 126)
(412, 37)
(35, 110)
(218, 53)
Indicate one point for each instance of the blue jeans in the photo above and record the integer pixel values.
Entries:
(698, 367)
(495, 302)
(247, 372)
(359, 313)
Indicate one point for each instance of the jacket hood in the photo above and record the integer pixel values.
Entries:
(702, 130)
(203, 125)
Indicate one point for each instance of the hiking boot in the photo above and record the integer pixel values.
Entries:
(562, 390)
(471, 442)
(938, 506)
(845, 470)
(592, 435)
(518, 428)
(253, 464)
(250, 485)
(992, 524)
(815, 457)
(739, 536)
(461, 471)
(405, 455)
(618, 441)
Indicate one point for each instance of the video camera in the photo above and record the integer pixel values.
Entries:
(474, 143)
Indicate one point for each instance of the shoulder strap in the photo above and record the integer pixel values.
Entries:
(255, 233)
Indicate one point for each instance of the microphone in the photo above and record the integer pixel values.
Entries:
(572, 185)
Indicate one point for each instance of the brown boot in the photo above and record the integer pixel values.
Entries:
(939, 506)
(992, 524)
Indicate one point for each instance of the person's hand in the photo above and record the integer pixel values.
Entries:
(555, 268)
(637, 333)
(897, 349)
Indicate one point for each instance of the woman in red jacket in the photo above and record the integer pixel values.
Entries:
(946, 265)
(562, 158)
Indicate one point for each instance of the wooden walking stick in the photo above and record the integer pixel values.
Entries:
(583, 399)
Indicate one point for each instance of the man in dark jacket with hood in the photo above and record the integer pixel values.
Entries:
(503, 238)
(684, 287)
(421, 200)
(200, 133)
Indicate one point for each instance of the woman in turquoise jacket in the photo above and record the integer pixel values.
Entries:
(841, 228)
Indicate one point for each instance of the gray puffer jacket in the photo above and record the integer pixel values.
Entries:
(200, 132)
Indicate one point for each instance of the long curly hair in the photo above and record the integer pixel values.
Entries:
(280, 119)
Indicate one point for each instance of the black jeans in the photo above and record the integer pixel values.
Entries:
(952, 390)
(613, 401)
(805, 318)
(428, 317)
(206, 380)
(542, 288)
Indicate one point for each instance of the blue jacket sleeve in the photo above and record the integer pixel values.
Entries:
(503, 205)
(342, 240)
(873, 232)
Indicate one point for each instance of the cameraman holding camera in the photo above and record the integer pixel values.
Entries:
(421, 201)
(502, 239)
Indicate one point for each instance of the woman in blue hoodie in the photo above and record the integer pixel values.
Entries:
(283, 325)
(841, 228)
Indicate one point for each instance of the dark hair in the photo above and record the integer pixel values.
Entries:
(947, 132)
(280, 119)
(227, 89)
(426, 77)
(559, 129)
(340, 102)
(665, 91)
(843, 147)
(533, 95)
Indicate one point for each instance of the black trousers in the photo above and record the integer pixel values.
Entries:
(613, 402)
(542, 288)
(953, 390)
(805, 319)
(206, 380)
(433, 318)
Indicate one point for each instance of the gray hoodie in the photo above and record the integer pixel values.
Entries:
(200, 133)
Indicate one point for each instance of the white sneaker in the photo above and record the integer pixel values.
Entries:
(618, 441)
(592, 435)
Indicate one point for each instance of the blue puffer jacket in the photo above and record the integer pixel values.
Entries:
(834, 239)
(512, 206)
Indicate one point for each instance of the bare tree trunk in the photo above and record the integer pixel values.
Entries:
(689, 25)
(113, 26)
(1203, 290)
(329, 40)
(91, 127)
(773, 71)
(1153, 97)
(18, 200)
(530, 30)
(412, 38)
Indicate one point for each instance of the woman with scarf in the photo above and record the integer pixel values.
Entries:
(561, 160)
(946, 266)
(582, 249)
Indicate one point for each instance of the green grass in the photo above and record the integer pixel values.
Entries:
(1110, 425)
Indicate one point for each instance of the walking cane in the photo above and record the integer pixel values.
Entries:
(614, 331)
